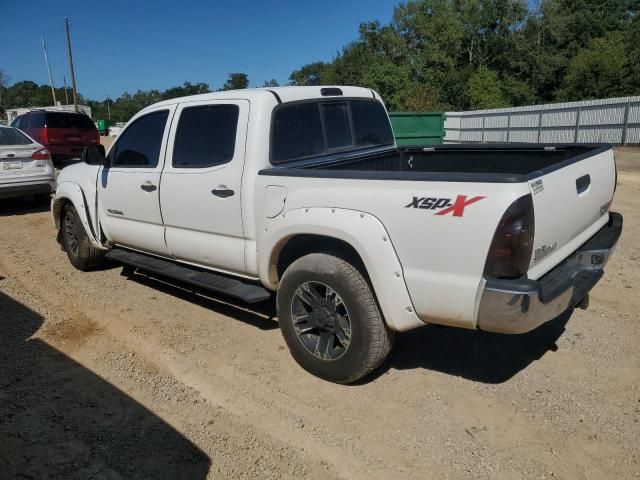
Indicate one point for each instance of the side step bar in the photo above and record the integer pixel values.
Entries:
(213, 282)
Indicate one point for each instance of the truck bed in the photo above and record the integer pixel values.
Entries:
(475, 163)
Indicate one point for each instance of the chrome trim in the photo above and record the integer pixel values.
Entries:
(520, 309)
(502, 311)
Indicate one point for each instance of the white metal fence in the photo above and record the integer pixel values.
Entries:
(611, 120)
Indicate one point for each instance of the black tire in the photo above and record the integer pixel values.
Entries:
(306, 281)
(82, 254)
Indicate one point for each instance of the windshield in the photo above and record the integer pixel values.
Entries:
(11, 136)
(310, 129)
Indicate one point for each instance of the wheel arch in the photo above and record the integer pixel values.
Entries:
(357, 237)
(71, 193)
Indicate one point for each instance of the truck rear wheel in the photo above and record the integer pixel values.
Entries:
(330, 319)
(82, 254)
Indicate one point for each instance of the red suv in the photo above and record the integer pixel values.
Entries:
(64, 134)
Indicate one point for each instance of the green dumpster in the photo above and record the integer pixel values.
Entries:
(103, 127)
(418, 128)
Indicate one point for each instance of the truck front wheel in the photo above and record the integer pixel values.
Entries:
(82, 254)
(330, 319)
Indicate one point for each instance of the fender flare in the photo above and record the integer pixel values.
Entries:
(71, 192)
(365, 233)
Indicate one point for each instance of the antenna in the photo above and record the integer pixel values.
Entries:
(66, 93)
(73, 77)
(46, 59)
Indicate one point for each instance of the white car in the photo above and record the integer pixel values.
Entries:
(302, 191)
(25, 166)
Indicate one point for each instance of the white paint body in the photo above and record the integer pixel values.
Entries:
(424, 268)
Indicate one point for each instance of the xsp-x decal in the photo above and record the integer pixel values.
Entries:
(444, 205)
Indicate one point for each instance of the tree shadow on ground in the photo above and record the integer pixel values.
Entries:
(473, 354)
(59, 420)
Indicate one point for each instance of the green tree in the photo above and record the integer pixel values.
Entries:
(271, 83)
(485, 90)
(597, 71)
(310, 74)
(236, 81)
(4, 81)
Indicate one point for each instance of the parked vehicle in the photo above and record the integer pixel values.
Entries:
(302, 191)
(64, 134)
(25, 166)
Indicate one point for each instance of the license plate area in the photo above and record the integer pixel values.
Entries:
(11, 164)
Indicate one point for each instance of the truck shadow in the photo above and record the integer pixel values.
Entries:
(260, 315)
(473, 354)
(59, 420)
(10, 207)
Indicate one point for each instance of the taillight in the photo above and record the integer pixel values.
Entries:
(97, 138)
(42, 154)
(44, 136)
(512, 244)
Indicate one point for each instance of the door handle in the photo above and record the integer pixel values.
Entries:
(222, 192)
(583, 183)
(148, 187)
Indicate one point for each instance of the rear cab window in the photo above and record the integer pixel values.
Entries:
(308, 129)
(69, 120)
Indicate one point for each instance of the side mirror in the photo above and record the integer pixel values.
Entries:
(94, 155)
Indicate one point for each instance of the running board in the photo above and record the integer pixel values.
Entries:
(213, 282)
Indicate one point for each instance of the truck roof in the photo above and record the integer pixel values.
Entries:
(284, 94)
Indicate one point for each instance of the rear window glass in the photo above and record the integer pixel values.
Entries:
(206, 136)
(69, 120)
(297, 132)
(336, 124)
(370, 124)
(317, 128)
(11, 136)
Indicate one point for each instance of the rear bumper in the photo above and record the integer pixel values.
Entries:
(22, 189)
(520, 305)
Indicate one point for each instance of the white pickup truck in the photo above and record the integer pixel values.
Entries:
(302, 191)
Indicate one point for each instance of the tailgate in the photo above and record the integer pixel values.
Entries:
(72, 136)
(571, 204)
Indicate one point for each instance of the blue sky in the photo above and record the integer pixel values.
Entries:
(128, 45)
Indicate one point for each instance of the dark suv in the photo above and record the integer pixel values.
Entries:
(64, 134)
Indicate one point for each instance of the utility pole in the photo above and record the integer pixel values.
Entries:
(109, 107)
(66, 93)
(46, 59)
(73, 77)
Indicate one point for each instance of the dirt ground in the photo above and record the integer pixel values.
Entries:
(108, 377)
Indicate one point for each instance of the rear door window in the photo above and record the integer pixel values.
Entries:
(139, 145)
(206, 136)
(69, 120)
